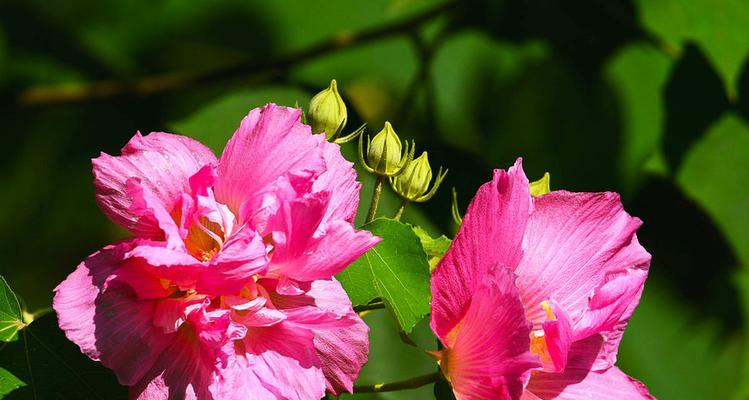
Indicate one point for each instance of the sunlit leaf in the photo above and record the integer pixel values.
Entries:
(638, 74)
(8, 382)
(715, 174)
(11, 317)
(717, 26)
(435, 248)
(396, 270)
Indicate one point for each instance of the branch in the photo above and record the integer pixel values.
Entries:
(371, 306)
(79, 92)
(412, 383)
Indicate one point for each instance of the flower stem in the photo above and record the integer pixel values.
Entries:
(375, 199)
(402, 207)
(413, 383)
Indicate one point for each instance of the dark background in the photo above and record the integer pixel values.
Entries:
(649, 98)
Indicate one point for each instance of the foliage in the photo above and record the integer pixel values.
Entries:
(396, 270)
(647, 98)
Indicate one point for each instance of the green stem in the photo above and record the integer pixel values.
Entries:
(412, 383)
(375, 199)
(402, 207)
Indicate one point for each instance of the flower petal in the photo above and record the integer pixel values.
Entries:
(311, 251)
(574, 384)
(273, 138)
(487, 354)
(180, 372)
(106, 320)
(162, 162)
(284, 359)
(609, 302)
(572, 242)
(238, 381)
(558, 336)
(343, 350)
(340, 180)
(490, 236)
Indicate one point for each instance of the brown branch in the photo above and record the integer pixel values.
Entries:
(412, 383)
(371, 306)
(79, 92)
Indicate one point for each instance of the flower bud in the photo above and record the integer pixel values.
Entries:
(413, 183)
(327, 112)
(385, 154)
(541, 186)
(414, 180)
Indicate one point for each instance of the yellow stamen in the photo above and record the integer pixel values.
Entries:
(547, 309)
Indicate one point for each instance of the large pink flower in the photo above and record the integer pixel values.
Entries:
(227, 290)
(534, 294)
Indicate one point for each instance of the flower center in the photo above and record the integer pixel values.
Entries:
(538, 339)
(204, 239)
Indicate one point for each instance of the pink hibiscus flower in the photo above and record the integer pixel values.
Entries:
(227, 290)
(533, 296)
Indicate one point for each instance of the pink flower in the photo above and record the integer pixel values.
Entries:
(227, 290)
(533, 296)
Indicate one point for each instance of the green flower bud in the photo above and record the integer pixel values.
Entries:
(413, 183)
(327, 112)
(541, 186)
(414, 180)
(385, 154)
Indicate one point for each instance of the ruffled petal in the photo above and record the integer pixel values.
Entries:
(270, 142)
(284, 359)
(490, 236)
(574, 384)
(161, 162)
(242, 256)
(343, 350)
(612, 338)
(558, 337)
(572, 242)
(238, 381)
(340, 180)
(487, 354)
(307, 251)
(180, 373)
(105, 318)
(609, 302)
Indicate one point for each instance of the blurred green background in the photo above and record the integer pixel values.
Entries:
(649, 98)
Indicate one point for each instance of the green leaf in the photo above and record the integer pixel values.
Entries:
(434, 248)
(638, 73)
(395, 270)
(717, 26)
(715, 174)
(46, 365)
(11, 316)
(8, 382)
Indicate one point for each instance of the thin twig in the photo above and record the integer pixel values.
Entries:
(412, 383)
(79, 92)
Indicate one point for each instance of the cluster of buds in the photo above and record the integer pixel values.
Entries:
(327, 114)
(410, 178)
(386, 156)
